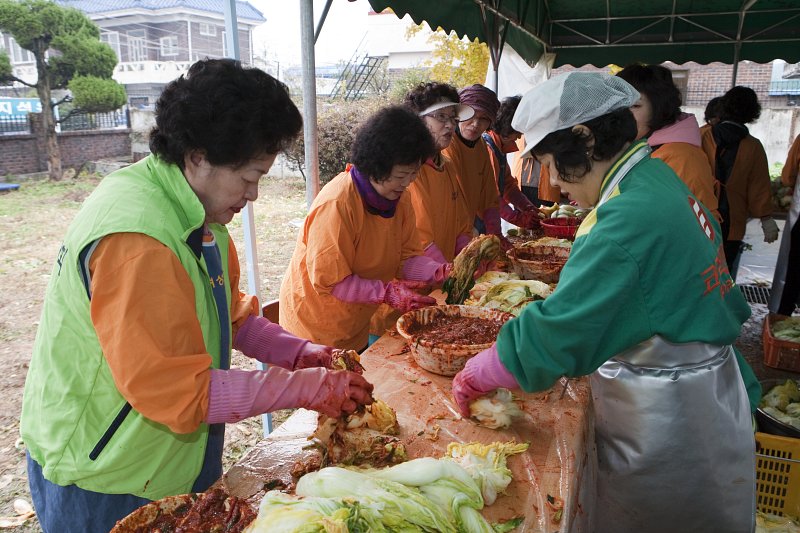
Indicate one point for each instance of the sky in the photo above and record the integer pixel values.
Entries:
(344, 28)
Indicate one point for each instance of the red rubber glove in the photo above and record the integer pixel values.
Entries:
(482, 374)
(400, 295)
(530, 219)
(491, 221)
(314, 355)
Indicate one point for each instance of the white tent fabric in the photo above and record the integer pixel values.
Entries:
(515, 76)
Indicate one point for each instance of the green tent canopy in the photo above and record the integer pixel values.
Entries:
(602, 32)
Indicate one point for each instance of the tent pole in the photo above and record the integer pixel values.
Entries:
(248, 222)
(736, 51)
(322, 19)
(310, 136)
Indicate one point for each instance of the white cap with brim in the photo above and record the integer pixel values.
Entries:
(463, 112)
(567, 100)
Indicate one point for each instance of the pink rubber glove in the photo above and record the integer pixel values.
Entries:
(461, 241)
(434, 253)
(423, 268)
(481, 375)
(238, 394)
(491, 220)
(269, 343)
(400, 295)
(396, 293)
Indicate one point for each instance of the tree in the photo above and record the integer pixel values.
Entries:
(459, 62)
(337, 125)
(66, 46)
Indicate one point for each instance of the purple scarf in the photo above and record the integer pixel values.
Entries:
(373, 202)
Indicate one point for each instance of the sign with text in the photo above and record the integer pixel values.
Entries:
(19, 107)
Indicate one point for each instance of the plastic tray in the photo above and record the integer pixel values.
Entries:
(778, 475)
(779, 353)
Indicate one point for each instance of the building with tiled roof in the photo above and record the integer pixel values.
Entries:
(157, 40)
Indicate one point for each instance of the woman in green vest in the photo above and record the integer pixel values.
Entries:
(130, 382)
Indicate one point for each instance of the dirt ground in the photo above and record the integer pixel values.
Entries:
(32, 223)
(33, 220)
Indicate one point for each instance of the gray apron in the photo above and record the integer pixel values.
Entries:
(779, 278)
(675, 444)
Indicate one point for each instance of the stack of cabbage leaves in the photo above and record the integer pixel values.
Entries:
(425, 495)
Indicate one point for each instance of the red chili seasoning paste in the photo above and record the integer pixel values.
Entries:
(457, 330)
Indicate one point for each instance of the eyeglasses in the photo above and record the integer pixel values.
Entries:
(444, 118)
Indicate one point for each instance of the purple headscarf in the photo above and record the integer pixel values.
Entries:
(480, 98)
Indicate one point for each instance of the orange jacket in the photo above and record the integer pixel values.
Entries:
(340, 238)
(691, 165)
(475, 174)
(440, 208)
(522, 169)
(792, 165)
(748, 187)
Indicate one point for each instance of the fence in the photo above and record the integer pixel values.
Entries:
(24, 152)
(20, 125)
(96, 121)
(14, 125)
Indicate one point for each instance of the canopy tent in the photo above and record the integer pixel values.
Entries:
(602, 32)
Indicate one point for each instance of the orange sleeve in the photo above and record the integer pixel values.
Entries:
(144, 313)
(792, 165)
(759, 191)
(242, 305)
(548, 192)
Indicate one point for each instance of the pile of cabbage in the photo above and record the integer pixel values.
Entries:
(421, 495)
(506, 292)
(783, 403)
(787, 330)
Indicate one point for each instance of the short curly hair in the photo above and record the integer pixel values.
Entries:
(502, 121)
(655, 82)
(426, 94)
(571, 150)
(395, 135)
(230, 112)
(740, 104)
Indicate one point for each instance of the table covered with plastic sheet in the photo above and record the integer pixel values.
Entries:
(553, 483)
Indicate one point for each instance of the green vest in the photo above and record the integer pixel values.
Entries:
(71, 405)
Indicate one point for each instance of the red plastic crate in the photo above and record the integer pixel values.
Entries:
(779, 353)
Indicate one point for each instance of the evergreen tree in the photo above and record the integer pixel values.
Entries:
(69, 55)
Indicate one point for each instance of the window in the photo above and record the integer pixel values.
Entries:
(111, 38)
(136, 50)
(19, 54)
(208, 29)
(169, 45)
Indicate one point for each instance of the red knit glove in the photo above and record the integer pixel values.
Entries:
(400, 295)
